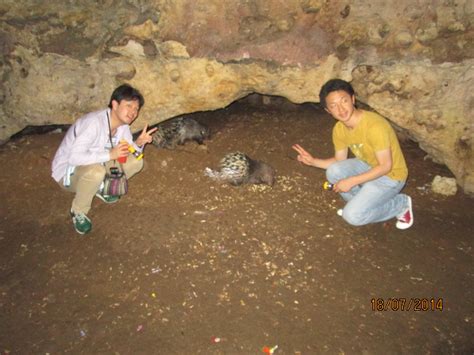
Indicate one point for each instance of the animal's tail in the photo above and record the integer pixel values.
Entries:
(213, 174)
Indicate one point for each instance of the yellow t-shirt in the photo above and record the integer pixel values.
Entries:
(373, 133)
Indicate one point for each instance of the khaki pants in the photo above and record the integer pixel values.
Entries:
(87, 179)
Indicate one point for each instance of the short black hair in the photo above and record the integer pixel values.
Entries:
(128, 93)
(334, 85)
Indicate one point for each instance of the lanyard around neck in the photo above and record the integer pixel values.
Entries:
(110, 130)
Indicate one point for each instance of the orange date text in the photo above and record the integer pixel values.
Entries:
(407, 304)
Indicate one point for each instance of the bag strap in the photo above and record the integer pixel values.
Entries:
(110, 137)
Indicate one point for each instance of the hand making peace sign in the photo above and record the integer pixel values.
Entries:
(145, 137)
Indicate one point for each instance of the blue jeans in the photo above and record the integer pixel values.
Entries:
(374, 201)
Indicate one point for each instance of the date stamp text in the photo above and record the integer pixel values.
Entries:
(407, 304)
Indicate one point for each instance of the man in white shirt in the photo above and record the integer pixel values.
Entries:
(86, 151)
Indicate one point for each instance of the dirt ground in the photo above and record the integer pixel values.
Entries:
(183, 265)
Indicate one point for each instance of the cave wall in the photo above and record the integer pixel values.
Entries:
(411, 60)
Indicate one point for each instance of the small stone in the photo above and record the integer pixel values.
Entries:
(444, 186)
(404, 39)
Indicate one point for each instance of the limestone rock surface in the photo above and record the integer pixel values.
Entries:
(412, 61)
(444, 186)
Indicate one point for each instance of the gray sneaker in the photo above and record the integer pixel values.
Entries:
(82, 223)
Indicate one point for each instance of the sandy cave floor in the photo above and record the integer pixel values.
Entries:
(183, 265)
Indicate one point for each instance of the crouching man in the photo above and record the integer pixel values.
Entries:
(91, 145)
(371, 182)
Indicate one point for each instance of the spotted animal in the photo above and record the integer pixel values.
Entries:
(237, 168)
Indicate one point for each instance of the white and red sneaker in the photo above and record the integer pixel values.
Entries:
(405, 220)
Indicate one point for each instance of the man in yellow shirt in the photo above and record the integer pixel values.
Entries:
(371, 182)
